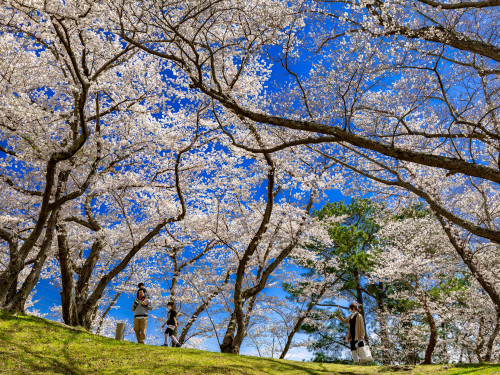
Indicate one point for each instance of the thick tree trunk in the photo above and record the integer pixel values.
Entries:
(9, 278)
(236, 333)
(240, 335)
(491, 340)
(241, 332)
(17, 298)
(68, 302)
(384, 336)
(411, 358)
(12, 291)
(233, 337)
(359, 300)
(480, 341)
(227, 343)
(17, 302)
(76, 310)
(433, 333)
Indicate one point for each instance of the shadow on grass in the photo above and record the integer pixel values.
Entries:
(275, 363)
(6, 334)
(275, 366)
(49, 364)
(6, 316)
(224, 364)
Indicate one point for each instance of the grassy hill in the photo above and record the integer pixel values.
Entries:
(30, 345)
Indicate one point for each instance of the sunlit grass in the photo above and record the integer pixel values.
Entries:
(30, 345)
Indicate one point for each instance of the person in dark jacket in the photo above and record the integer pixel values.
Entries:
(171, 325)
(356, 331)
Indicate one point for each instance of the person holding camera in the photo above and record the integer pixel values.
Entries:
(141, 308)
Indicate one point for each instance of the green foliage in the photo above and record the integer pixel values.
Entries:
(352, 237)
(450, 284)
(415, 211)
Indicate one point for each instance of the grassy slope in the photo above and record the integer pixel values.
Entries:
(30, 345)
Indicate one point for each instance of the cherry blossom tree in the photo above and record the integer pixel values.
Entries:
(192, 138)
(400, 93)
(420, 263)
(64, 79)
(320, 283)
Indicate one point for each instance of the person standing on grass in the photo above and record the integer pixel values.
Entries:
(171, 325)
(356, 331)
(141, 308)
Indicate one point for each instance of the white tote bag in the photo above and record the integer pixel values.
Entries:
(364, 352)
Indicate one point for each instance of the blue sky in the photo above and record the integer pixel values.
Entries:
(48, 296)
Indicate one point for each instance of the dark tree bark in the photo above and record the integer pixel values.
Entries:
(234, 335)
(481, 341)
(15, 304)
(227, 342)
(17, 298)
(382, 319)
(68, 301)
(411, 358)
(359, 300)
(433, 336)
(491, 340)
(80, 305)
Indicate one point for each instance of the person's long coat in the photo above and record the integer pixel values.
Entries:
(359, 328)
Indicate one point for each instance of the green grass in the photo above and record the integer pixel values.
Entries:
(30, 345)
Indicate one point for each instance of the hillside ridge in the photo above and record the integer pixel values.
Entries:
(33, 345)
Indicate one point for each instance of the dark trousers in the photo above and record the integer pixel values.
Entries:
(353, 344)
